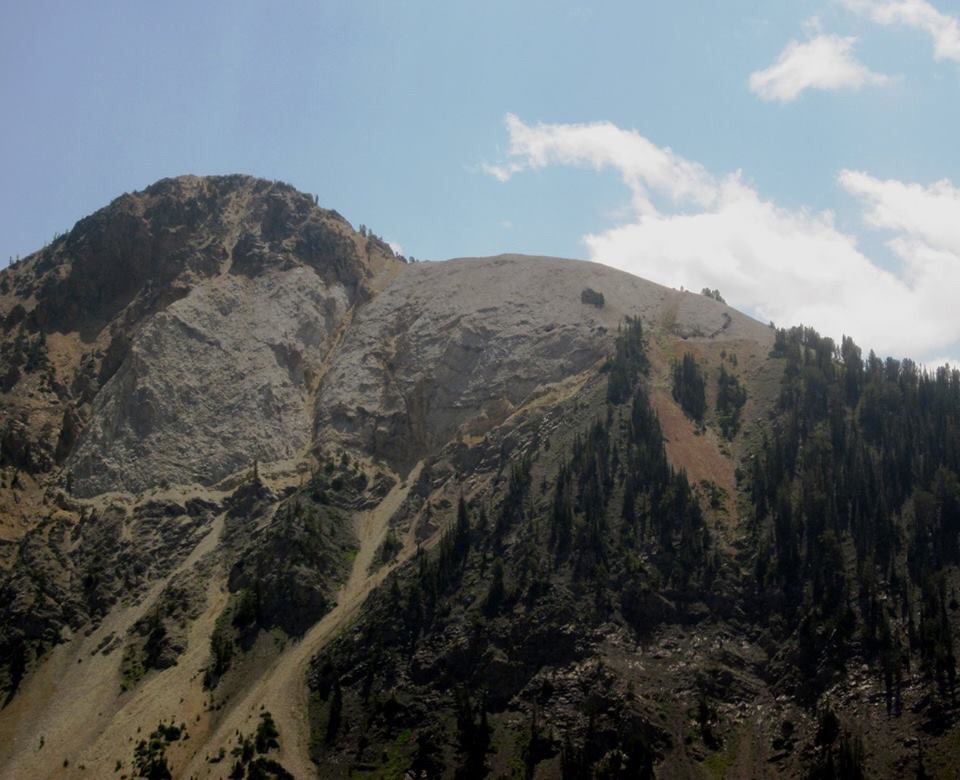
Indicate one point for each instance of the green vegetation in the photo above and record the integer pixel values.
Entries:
(283, 577)
(731, 397)
(689, 388)
(716, 495)
(150, 755)
(856, 501)
(389, 549)
(852, 540)
(715, 294)
(473, 731)
(618, 523)
(138, 658)
(24, 353)
(156, 640)
(629, 362)
(592, 297)
(335, 712)
(251, 759)
(221, 647)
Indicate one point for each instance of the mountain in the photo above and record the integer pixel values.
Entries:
(275, 501)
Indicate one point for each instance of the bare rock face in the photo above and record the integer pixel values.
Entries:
(183, 332)
(468, 340)
(218, 379)
(176, 334)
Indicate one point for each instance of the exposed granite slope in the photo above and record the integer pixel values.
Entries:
(220, 378)
(175, 335)
(466, 341)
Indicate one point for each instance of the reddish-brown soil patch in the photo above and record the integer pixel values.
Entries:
(696, 453)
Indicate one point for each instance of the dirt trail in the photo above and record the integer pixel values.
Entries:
(175, 696)
(282, 689)
(71, 701)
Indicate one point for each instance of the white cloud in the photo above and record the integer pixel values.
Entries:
(925, 222)
(929, 214)
(787, 265)
(397, 249)
(813, 26)
(826, 62)
(943, 29)
(599, 145)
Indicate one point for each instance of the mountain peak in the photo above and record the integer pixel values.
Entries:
(254, 256)
(183, 229)
(525, 495)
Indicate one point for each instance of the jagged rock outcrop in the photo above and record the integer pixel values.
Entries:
(180, 331)
(148, 248)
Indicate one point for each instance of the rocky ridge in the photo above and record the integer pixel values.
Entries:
(453, 518)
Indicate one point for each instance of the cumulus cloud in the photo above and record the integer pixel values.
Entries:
(644, 166)
(693, 228)
(943, 29)
(930, 214)
(826, 62)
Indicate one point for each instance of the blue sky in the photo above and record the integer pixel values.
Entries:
(394, 114)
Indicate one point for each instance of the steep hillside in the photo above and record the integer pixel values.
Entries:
(460, 345)
(275, 502)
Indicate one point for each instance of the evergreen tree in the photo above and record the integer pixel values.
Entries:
(689, 387)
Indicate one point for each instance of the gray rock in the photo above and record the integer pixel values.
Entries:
(219, 378)
(448, 342)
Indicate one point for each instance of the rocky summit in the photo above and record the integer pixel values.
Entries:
(276, 502)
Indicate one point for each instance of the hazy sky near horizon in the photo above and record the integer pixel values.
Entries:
(801, 157)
